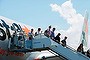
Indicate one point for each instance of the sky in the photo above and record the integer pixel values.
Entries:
(65, 15)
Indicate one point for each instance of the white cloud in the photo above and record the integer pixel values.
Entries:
(73, 18)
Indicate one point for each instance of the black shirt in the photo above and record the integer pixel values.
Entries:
(63, 42)
(57, 38)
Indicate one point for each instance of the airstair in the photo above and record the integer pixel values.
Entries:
(42, 42)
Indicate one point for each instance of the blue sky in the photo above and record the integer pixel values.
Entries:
(39, 13)
(36, 13)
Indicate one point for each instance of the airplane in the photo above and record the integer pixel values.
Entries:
(10, 50)
(7, 28)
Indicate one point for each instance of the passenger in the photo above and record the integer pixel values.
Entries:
(12, 38)
(31, 35)
(20, 41)
(57, 38)
(52, 34)
(19, 38)
(88, 53)
(43, 58)
(38, 32)
(80, 48)
(64, 41)
(45, 33)
(48, 32)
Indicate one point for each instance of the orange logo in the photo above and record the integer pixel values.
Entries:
(26, 30)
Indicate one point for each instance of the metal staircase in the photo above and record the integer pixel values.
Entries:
(42, 42)
(69, 54)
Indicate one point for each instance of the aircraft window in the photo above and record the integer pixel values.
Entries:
(16, 26)
(4, 24)
(12, 28)
(20, 27)
(1, 25)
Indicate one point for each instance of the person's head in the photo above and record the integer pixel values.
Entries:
(81, 45)
(53, 29)
(43, 57)
(59, 34)
(39, 29)
(65, 37)
(50, 27)
(31, 30)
